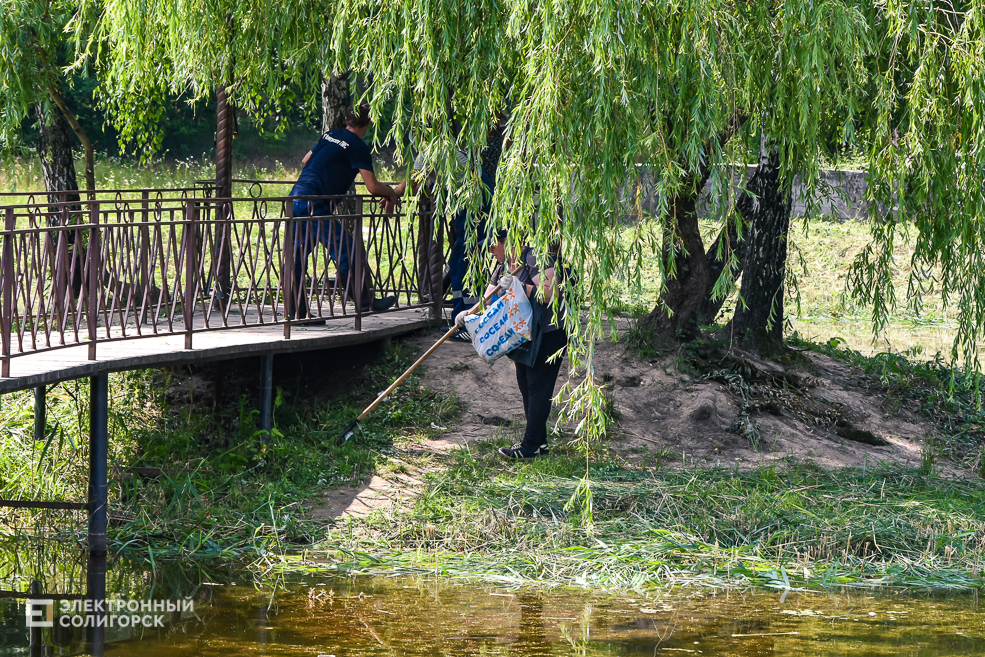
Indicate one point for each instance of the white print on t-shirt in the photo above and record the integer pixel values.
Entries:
(343, 144)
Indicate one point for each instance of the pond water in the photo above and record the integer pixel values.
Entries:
(391, 617)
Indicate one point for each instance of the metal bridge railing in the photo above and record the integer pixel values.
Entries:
(139, 263)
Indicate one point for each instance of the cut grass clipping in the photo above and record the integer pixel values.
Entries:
(780, 528)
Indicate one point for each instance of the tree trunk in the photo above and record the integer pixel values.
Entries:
(691, 272)
(73, 123)
(687, 277)
(57, 162)
(758, 321)
(334, 101)
(61, 183)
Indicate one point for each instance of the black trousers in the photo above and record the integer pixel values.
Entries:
(537, 387)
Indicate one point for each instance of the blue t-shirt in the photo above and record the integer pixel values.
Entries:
(333, 165)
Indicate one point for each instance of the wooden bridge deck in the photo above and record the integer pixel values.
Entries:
(47, 367)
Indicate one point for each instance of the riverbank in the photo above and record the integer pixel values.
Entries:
(684, 499)
(192, 481)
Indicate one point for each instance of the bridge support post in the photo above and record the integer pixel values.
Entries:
(35, 636)
(266, 395)
(98, 461)
(95, 591)
(40, 412)
(6, 291)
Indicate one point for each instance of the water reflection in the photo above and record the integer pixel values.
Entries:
(96, 593)
(423, 617)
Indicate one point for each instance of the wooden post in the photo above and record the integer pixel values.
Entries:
(357, 264)
(95, 278)
(191, 261)
(287, 272)
(6, 292)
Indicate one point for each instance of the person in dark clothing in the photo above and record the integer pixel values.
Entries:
(536, 382)
(467, 224)
(329, 169)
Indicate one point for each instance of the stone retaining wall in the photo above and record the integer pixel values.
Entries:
(843, 200)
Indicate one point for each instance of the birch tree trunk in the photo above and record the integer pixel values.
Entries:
(334, 101)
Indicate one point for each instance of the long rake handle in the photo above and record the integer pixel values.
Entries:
(393, 386)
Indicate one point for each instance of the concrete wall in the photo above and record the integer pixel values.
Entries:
(840, 194)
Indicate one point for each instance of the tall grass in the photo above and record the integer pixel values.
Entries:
(216, 488)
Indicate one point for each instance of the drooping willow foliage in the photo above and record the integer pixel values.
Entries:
(926, 162)
(268, 55)
(598, 91)
(32, 46)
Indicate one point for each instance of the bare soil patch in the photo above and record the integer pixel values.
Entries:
(665, 418)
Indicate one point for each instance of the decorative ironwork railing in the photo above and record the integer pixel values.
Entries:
(136, 263)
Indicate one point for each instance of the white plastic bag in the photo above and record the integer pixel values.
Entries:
(504, 326)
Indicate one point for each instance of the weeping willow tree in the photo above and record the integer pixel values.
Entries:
(265, 57)
(602, 94)
(34, 51)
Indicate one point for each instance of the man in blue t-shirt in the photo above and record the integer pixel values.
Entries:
(329, 169)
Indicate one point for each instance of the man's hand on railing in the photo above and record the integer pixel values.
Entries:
(388, 204)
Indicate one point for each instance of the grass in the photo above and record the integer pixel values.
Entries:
(821, 252)
(23, 174)
(221, 491)
(776, 527)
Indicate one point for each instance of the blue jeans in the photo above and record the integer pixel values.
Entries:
(328, 232)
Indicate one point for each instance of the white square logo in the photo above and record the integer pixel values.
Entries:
(40, 613)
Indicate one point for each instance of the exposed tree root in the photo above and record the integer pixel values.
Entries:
(766, 386)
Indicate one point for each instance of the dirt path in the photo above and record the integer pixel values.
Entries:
(664, 419)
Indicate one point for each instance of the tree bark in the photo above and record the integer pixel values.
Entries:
(90, 159)
(334, 101)
(61, 183)
(683, 249)
(758, 321)
(57, 162)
